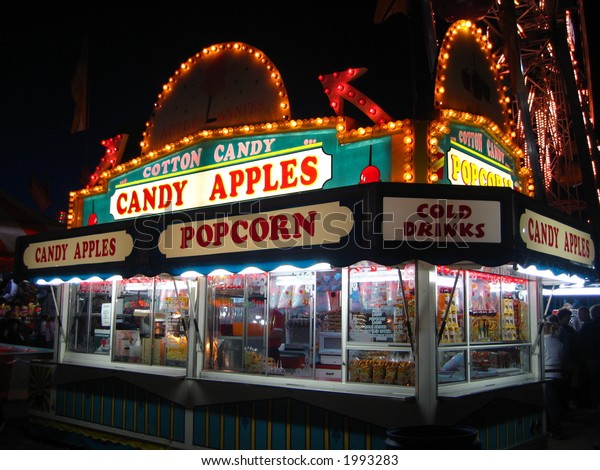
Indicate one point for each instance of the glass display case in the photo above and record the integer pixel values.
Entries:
(496, 329)
(151, 321)
(90, 318)
(453, 366)
(498, 361)
(484, 307)
(236, 320)
(278, 324)
(142, 320)
(381, 367)
(450, 306)
(354, 325)
(382, 311)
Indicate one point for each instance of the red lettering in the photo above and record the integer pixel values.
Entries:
(218, 189)
(269, 185)
(309, 170)
(187, 233)
(237, 178)
(121, 201)
(308, 223)
(149, 197)
(279, 228)
(235, 234)
(288, 180)
(531, 229)
(253, 177)
(221, 230)
(204, 235)
(259, 229)
(134, 205)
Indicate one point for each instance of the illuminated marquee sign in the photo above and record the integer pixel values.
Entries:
(300, 226)
(90, 249)
(226, 171)
(466, 170)
(256, 178)
(475, 159)
(548, 236)
(434, 220)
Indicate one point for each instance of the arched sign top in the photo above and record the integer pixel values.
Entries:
(467, 78)
(224, 85)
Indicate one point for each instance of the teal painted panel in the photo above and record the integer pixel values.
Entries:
(86, 395)
(245, 413)
(502, 435)
(261, 425)
(165, 419)
(492, 428)
(349, 161)
(511, 437)
(356, 434)
(278, 423)
(152, 415)
(77, 410)
(336, 431)
(141, 398)
(522, 431)
(97, 401)
(199, 429)
(129, 410)
(109, 401)
(298, 421)
(178, 423)
(229, 431)
(317, 429)
(214, 427)
(119, 402)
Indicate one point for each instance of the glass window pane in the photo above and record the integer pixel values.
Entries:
(132, 320)
(484, 309)
(89, 321)
(499, 362)
(450, 306)
(452, 366)
(236, 323)
(292, 295)
(381, 367)
(378, 305)
(167, 329)
(515, 310)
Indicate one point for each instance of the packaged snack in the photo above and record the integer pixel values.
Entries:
(379, 371)
(391, 371)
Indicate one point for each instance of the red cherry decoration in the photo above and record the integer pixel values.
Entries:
(370, 174)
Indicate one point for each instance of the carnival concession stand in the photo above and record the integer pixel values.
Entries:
(278, 283)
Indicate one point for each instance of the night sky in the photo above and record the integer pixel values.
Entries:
(133, 52)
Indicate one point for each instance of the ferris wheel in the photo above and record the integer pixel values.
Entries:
(556, 86)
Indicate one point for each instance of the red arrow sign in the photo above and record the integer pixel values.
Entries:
(112, 157)
(336, 87)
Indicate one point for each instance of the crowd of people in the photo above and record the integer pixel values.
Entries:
(26, 315)
(572, 364)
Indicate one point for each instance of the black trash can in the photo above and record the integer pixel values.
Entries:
(433, 437)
